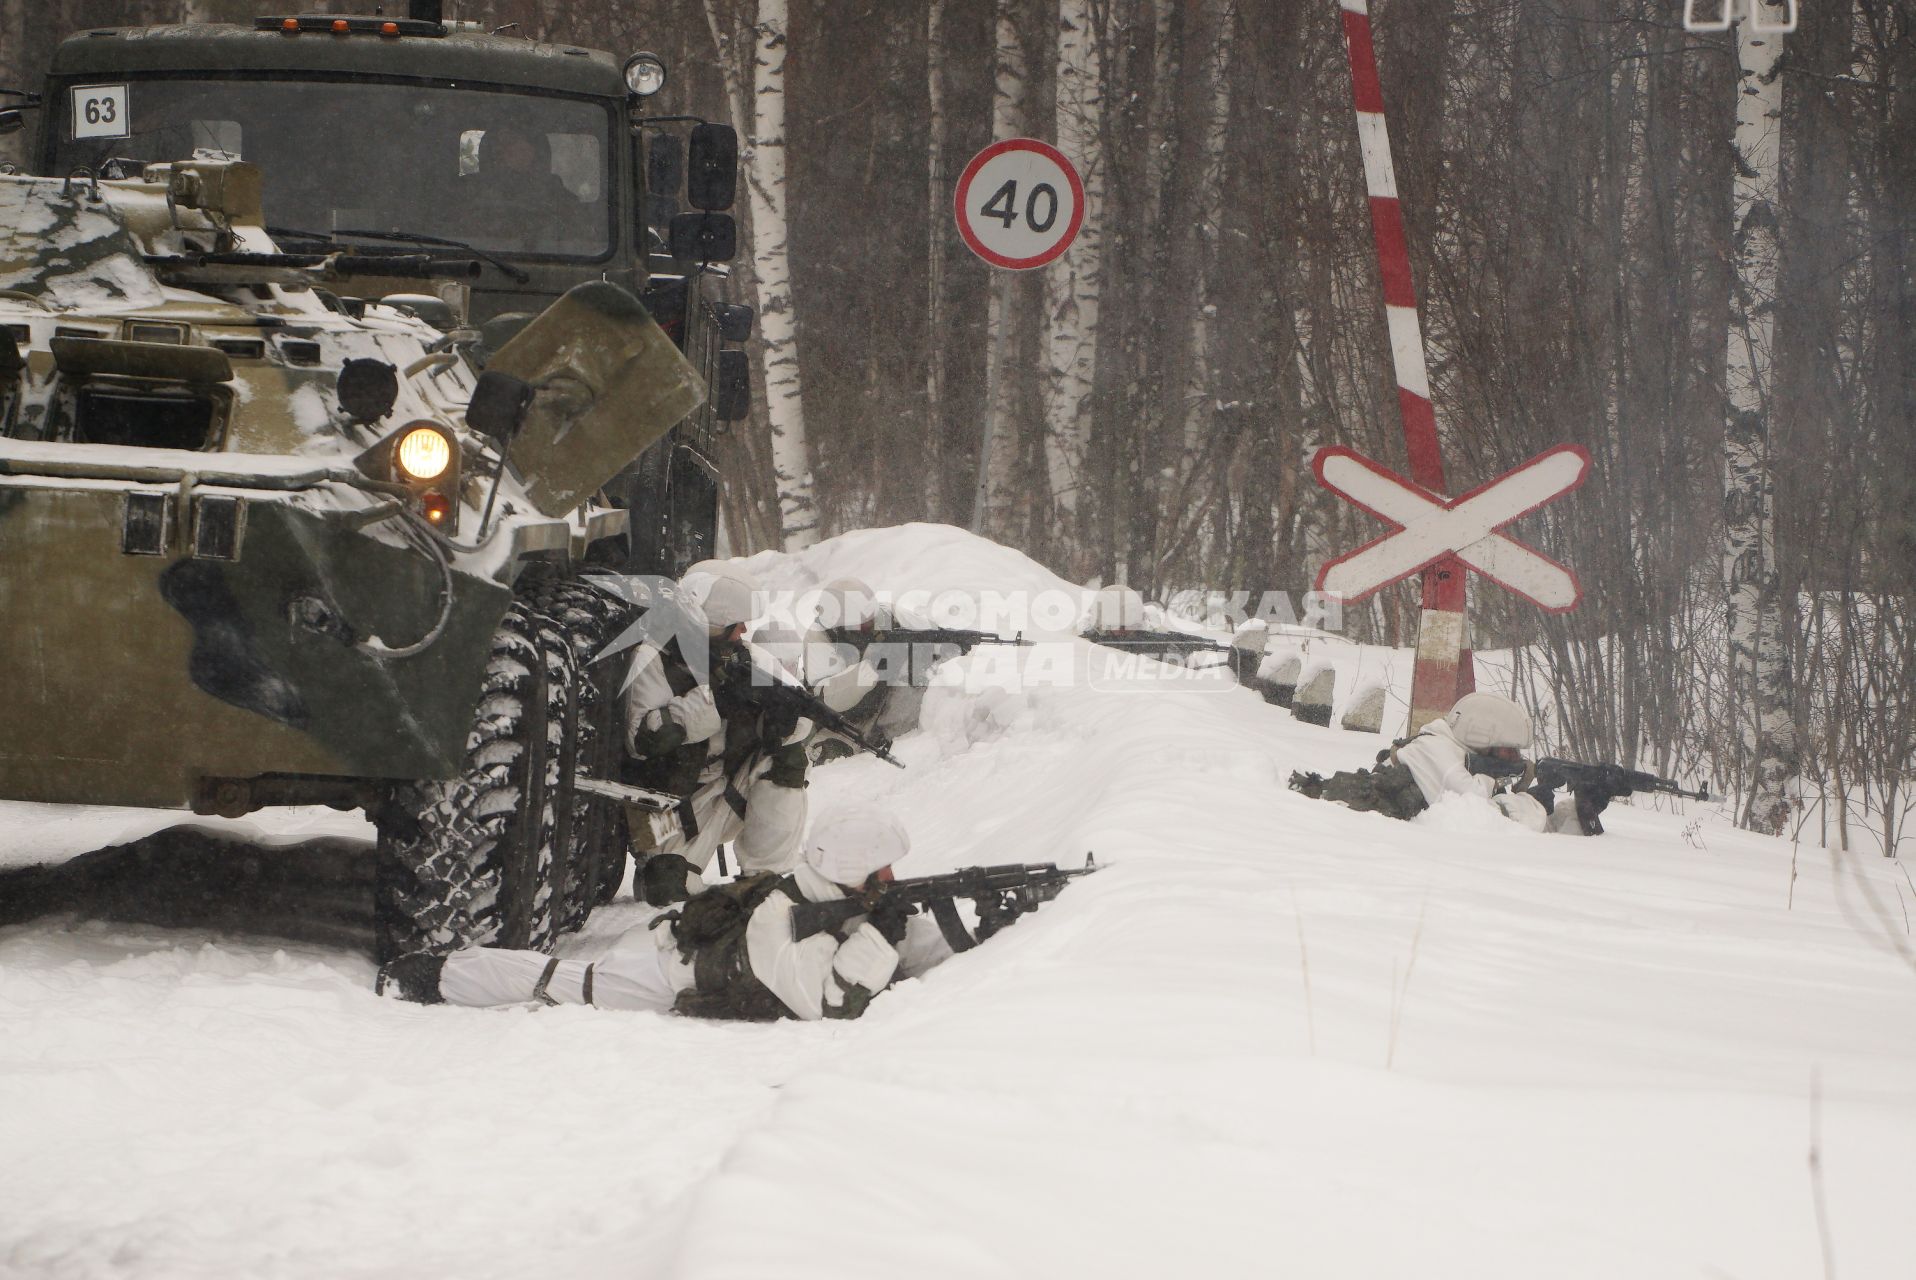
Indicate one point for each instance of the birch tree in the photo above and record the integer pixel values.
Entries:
(762, 158)
(997, 464)
(1759, 654)
(1071, 283)
(1191, 465)
(937, 207)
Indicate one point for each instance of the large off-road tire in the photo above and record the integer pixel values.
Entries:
(471, 861)
(594, 844)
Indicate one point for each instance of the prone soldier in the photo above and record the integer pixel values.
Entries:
(1477, 749)
(745, 950)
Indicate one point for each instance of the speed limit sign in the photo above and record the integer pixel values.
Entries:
(1019, 203)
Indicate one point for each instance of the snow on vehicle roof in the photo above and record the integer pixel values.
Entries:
(68, 253)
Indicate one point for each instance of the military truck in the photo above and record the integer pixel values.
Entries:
(392, 135)
(294, 514)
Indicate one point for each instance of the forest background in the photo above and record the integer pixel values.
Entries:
(1570, 178)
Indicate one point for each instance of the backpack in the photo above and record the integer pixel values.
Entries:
(710, 931)
(1389, 789)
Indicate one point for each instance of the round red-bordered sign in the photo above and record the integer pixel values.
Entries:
(1019, 203)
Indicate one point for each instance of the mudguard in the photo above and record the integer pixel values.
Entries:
(607, 383)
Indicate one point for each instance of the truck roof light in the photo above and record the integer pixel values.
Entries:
(294, 24)
(645, 74)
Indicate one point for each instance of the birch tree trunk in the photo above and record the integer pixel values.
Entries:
(1759, 655)
(937, 222)
(1209, 40)
(998, 468)
(1071, 283)
(762, 157)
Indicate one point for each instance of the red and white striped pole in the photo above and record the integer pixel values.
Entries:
(1443, 669)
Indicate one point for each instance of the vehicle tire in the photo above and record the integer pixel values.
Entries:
(469, 862)
(596, 843)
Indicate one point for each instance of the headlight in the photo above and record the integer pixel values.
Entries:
(644, 74)
(424, 453)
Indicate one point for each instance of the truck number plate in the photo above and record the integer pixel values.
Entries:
(99, 111)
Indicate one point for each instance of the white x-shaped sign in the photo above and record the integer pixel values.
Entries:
(1430, 527)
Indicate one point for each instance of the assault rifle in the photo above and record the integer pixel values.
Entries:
(1183, 644)
(1612, 779)
(736, 678)
(952, 637)
(1001, 894)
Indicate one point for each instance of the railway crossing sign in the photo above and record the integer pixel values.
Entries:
(1430, 527)
(1019, 203)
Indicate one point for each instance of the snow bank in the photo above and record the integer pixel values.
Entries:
(909, 557)
(1273, 1037)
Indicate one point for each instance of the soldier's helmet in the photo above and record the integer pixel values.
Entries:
(1115, 608)
(1487, 721)
(833, 671)
(848, 844)
(848, 603)
(726, 593)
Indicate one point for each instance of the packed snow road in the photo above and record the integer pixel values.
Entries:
(1274, 1038)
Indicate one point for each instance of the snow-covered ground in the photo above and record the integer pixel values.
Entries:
(1273, 1038)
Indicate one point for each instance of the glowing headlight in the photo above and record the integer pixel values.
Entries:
(424, 453)
(644, 74)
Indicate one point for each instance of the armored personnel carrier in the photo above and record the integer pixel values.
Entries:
(259, 546)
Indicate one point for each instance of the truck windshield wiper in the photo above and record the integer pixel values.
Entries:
(407, 237)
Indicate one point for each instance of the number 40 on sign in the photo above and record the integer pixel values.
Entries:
(1019, 203)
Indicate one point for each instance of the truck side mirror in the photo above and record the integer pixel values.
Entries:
(734, 321)
(732, 387)
(711, 181)
(704, 237)
(498, 405)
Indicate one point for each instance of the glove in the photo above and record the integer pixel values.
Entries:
(889, 917)
(1545, 796)
(696, 713)
(664, 879)
(777, 724)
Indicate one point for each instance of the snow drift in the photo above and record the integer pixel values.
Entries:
(1273, 1038)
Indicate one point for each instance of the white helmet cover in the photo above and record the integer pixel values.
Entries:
(846, 602)
(1484, 720)
(848, 844)
(726, 593)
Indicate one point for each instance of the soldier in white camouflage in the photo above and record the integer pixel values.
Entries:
(1476, 750)
(723, 951)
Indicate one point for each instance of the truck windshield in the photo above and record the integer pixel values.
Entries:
(520, 174)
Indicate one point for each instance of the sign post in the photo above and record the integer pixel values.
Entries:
(1443, 668)
(1019, 205)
